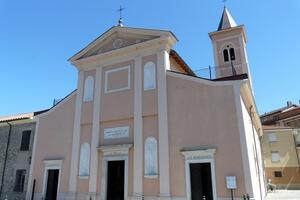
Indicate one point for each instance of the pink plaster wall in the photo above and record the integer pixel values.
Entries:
(54, 141)
(205, 117)
(117, 105)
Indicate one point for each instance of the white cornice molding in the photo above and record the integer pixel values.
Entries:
(124, 30)
(107, 72)
(122, 52)
(204, 81)
(280, 130)
(115, 150)
(49, 163)
(198, 154)
(240, 28)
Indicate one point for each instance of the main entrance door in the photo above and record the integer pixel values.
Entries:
(52, 184)
(201, 184)
(115, 180)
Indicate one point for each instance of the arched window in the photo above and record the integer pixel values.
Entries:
(88, 89)
(149, 76)
(228, 53)
(225, 54)
(150, 156)
(232, 54)
(84, 166)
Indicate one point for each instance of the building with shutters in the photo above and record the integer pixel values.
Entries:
(281, 146)
(142, 125)
(285, 116)
(16, 141)
(281, 154)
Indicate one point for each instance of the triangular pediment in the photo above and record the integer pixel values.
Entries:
(117, 38)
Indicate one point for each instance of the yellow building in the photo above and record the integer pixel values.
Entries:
(281, 149)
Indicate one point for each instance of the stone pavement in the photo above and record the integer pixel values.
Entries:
(284, 195)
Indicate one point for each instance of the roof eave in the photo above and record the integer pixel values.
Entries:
(103, 36)
(239, 27)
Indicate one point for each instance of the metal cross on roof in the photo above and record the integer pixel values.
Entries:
(120, 22)
(224, 1)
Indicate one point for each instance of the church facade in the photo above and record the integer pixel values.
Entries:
(142, 125)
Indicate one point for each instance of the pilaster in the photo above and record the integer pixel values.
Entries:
(76, 134)
(138, 129)
(95, 135)
(163, 145)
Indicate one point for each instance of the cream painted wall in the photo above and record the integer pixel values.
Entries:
(285, 145)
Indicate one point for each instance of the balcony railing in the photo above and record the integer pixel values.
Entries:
(222, 71)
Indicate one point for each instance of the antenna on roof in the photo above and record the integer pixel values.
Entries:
(224, 2)
(120, 22)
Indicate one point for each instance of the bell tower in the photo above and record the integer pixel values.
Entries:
(229, 45)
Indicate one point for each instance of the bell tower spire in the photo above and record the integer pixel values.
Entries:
(226, 20)
(229, 45)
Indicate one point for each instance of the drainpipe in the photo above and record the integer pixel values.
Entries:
(255, 146)
(5, 158)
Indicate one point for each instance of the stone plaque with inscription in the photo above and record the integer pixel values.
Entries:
(116, 132)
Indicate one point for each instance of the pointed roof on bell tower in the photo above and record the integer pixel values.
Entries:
(226, 20)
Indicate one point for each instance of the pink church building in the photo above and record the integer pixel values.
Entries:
(142, 125)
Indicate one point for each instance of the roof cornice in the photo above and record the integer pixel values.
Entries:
(102, 59)
(115, 29)
(240, 28)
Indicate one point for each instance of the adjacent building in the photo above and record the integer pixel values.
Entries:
(285, 116)
(281, 146)
(16, 140)
(142, 125)
(281, 149)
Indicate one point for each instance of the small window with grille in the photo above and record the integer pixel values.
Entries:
(25, 140)
(277, 174)
(20, 179)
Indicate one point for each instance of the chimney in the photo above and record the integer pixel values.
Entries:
(289, 103)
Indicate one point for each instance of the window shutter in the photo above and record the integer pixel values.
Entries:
(25, 141)
(20, 180)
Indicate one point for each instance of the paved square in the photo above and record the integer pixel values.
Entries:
(284, 195)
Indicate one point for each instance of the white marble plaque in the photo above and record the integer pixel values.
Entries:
(116, 132)
(231, 182)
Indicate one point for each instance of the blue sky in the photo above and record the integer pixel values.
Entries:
(37, 38)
